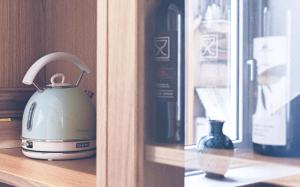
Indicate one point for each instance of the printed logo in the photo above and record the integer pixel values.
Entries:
(83, 145)
(162, 48)
(209, 49)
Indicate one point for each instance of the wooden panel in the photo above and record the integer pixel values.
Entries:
(17, 170)
(21, 44)
(190, 67)
(13, 101)
(163, 176)
(70, 26)
(10, 133)
(21, 39)
(191, 159)
(117, 100)
(290, 181)
(122, 93)
(125, 106)
(102, 88)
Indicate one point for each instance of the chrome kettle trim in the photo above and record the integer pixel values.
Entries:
(68, 86)
(69, 140)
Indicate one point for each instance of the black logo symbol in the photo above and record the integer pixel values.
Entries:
(162, 48)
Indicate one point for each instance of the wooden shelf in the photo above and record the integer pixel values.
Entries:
(17, 170)
(293, 180)
(191, 159)
(178, 156)
(166, 154)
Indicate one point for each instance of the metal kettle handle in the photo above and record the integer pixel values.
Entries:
(43, 61)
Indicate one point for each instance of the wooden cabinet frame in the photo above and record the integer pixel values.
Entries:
(122, 99)
(121, 95)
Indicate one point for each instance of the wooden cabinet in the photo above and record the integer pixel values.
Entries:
(121, 110)
(113, 38)
(20, 37)
(126, 157)
(29, 30)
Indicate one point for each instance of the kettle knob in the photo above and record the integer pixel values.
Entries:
(55, 76)
(43, 61)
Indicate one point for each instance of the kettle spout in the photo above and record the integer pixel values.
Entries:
(89, 93)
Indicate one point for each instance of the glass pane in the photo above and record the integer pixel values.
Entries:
(212, 69)
(275, 89)
(240, 90)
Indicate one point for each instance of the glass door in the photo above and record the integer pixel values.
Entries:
(242, 65)
(211, 67)
(275, 88)
(225, 74)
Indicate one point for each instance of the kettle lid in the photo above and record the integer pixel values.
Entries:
(61, 84)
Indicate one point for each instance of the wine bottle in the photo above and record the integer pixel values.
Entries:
(169, 72)
(276, 111)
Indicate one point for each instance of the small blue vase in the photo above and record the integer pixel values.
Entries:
(219, 144)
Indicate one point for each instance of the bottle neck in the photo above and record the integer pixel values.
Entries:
(216, 127)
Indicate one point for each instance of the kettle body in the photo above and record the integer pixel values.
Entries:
(59, 120)
(59, 114)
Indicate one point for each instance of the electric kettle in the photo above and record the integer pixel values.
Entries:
(59, 120)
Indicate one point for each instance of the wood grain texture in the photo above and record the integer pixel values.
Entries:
(173, 155)
(21, 44)
(102, 87)
(163, 176)
(70, 26)
(290, 181)
(21, 39)
(126, 106)
(17, 170)
(30, 29)
(13, 101)
(122, 162)
(191, 159)
(10, 130)
(10, 133)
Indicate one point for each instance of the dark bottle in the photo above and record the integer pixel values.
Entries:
(275, 81)
(169, 72)
(286, 142)
(216, 143)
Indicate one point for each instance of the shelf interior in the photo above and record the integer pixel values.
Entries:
(187, 157)
(17, 170)
(216, 162)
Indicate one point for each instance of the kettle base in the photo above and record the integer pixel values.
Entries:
(58, 156)
(58, 149)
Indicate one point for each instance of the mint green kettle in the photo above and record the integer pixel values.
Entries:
(59, 120)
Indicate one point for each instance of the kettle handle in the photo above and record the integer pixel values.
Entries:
(43, 61)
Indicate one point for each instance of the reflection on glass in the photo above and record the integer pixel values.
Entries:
(272, 87)
(210, 83)
(276, 88)
(211, 90)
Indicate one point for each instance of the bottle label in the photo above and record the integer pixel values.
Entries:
(270, 129)
(166, 60)
(273, 94)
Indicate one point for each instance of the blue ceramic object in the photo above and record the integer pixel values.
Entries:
(216, 143)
